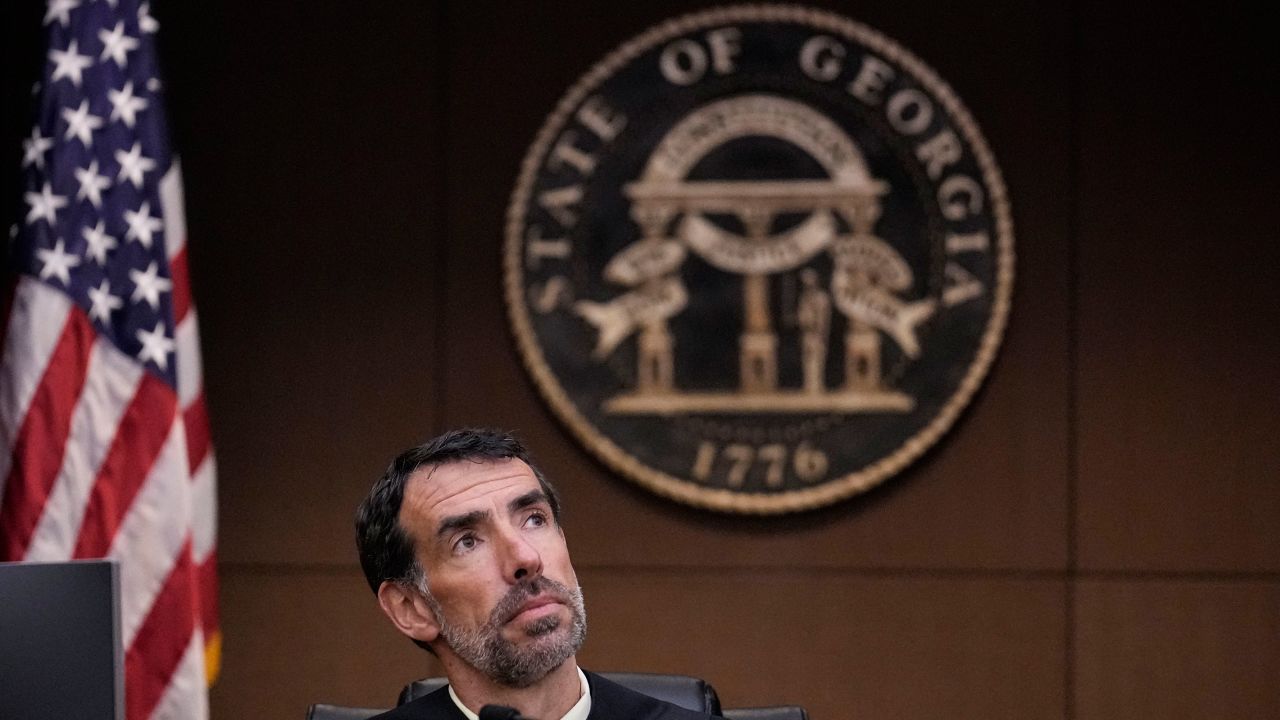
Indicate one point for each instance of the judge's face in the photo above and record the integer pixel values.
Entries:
(499, 582)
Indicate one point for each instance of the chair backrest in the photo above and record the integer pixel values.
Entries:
(687, 692)
(338, 712)
(781, 712)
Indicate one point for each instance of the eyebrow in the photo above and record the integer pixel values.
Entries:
(529, 499)
(457, 522)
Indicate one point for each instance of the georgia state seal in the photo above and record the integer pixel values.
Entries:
(759, 258)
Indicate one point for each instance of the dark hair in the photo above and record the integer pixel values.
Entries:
(386, 549)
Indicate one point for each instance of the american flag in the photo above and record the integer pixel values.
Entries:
(104, 438)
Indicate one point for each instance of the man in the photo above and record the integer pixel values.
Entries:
(813, 312)
(461, 542)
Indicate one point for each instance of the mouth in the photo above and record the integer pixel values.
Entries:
(535, 607)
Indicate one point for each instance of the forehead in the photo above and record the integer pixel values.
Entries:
(437, 491)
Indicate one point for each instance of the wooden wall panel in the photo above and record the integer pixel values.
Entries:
(843, 646)
(1178, 649)
(294, 638)
(1179, 269)
(313, 223)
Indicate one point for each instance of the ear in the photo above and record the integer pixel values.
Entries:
(408, 611)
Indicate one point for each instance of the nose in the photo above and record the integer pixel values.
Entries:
(521, 561)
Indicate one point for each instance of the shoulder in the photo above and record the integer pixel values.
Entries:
(611, 700)
(432, 706)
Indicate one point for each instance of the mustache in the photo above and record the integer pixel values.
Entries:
(509, 606)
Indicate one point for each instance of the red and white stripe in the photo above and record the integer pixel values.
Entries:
(101, 459)
(201, 465)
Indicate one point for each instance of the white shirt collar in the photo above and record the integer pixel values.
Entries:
(579, 711)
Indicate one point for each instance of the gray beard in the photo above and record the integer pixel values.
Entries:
(504, 662)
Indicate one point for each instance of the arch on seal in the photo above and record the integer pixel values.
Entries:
(662, 192)
(719, 122)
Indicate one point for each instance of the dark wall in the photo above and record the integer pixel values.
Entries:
(1097, 538)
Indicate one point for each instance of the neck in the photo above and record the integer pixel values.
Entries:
(547, 699)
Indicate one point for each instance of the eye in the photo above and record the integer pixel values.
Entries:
(536, 519)
(465, 543)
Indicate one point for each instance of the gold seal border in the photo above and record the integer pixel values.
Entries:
(686, 491)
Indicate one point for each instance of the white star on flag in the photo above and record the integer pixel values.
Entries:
(44, 204)
(146, 23)
(133, 164)
(148, 286)
(81, 124)
(117, 45)
(61, 10)
(155, 346)
(99, 242)
(34, 148)
(124, 105)
(57, 262)
(69, 64)
(103, 302)
(91, 184)
(141, 225)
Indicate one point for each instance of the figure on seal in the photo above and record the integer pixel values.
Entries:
(813, 313)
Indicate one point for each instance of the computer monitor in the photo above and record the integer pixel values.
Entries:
(60, 650)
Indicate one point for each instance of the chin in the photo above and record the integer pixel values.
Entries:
(541, 628)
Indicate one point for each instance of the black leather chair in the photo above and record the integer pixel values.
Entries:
(337, 712)
(780, 712)
(687, 692)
